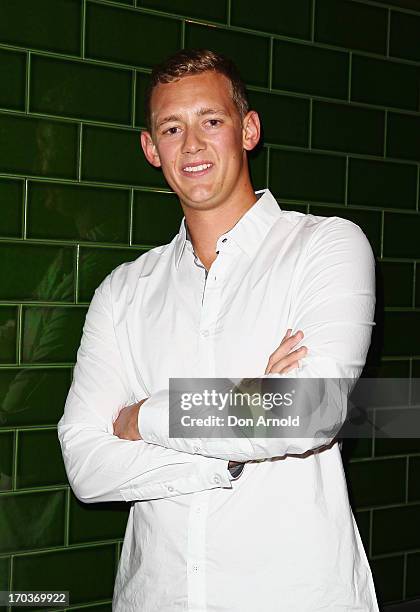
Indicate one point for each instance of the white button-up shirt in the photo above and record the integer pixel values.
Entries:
(281, 537)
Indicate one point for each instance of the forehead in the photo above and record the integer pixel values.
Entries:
(209, 88)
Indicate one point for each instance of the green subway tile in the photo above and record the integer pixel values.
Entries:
(410, 4)
(102, 607)
(413, 479)
(37, 146)
(51, 334)
(36, 272)
(404, 35)
(90, 522)
(88, 573)
(8, 316)
(377, 183)
(395, 280)
(357, 448)
(257, 162)
(294, 131)
(307, 176)
(401, 333)
(11, 195)
(413, 573)
(6, 460)
(215, 10)
(95, 264)
(310, 69)
(77, 212)
(115, 155)
(33, 396)
(12, 72)
(390, 368)
(418, 285)
(31, 520)
(383, 82)
(4, 573)
(363, 524)
(403, 136)
(45, 24)
(396, 446)
(396, 529)
(156, 217)
(288, 18)
(351, 25)
(80, 89)
(351, 129)
(388, 575)
(401, 235)
(303, 208)
(142, 81)
(250, 53)
(40, 462)
(368, 220)
(375, 482)
(128, 36)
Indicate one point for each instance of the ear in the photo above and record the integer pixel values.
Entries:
(150, 149)
(251, 130)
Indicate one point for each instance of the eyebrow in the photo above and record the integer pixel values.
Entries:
(201, 111)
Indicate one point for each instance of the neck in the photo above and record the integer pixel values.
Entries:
(206, 226)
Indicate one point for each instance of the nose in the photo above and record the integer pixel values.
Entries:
(192, 141)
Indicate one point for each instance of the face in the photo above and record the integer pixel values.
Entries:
(199, 139)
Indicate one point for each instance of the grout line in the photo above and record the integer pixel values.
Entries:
(79, 154)
(12, 558)
(382, 233)
(183, 34)
(310, 123)
(388, 32)
(405, 576)
(130, 217)
(83, 29)
(229, 12)
(133, 98)
(350, 76)
(385, 132)
(76, 274)
(407, 469)
(346, 181)
(19, 335)
(24, 209)
(418, 188)
(15, 460)
(313, 20)
(413, 301)
(270, 64)
(28, 82)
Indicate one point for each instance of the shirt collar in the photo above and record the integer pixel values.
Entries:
(248, 232)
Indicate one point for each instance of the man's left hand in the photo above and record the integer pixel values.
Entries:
(126, 424)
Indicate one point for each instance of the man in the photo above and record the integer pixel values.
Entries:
(220, 524)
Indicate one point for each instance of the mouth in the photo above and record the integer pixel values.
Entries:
(197, 169)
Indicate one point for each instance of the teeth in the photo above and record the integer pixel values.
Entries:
(197, 168)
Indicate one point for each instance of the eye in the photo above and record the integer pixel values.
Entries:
(214, 122)
(170, 130)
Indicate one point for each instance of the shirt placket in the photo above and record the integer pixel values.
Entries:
(196, 556)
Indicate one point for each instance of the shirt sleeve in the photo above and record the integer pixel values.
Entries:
(333, 304)
(100, 466)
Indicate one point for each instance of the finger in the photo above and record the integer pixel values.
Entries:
(285, 347)
(284, 362)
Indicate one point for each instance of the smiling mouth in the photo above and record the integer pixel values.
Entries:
(194, 170)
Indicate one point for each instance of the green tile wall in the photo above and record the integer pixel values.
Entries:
(336, 83)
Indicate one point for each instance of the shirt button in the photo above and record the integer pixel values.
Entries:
(196, 449)
(170, 488)
(217, 479)
(205, 333)
(224, 240)
(195, 567)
